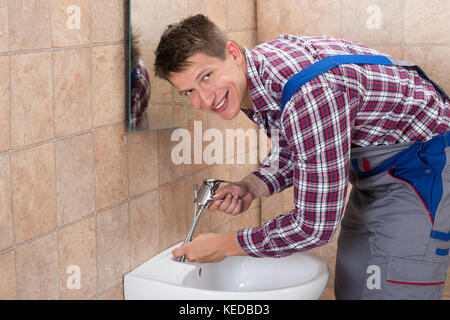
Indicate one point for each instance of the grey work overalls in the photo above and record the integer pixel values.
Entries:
(395, 234)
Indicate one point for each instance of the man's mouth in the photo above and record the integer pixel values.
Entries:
(222, 103)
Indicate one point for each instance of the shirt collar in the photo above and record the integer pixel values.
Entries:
(263, 99)
(264, 105)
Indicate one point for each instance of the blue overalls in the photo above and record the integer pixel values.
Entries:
(395, 234)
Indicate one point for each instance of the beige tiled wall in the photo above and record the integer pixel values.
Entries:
(413, 30)
(75, 188)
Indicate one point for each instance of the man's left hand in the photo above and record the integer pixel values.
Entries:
(210, 247)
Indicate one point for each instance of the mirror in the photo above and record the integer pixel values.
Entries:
(152, 103)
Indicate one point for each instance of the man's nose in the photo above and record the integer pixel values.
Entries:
(206, 96)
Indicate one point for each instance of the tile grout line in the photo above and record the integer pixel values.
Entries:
(13, 221)
(341, 19)
(127, 40)
(93, 151)
(73, 135)
(55, 180)
(403, 16)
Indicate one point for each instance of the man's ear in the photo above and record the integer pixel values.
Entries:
(233, 49)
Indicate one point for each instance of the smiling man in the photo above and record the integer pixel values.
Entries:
(344, 112)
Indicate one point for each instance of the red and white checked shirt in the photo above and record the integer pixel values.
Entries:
(139, 96)
(361, 105)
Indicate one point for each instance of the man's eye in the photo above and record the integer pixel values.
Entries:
(207, 76)
(188, 92)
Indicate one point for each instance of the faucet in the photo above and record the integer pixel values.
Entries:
(202, 199)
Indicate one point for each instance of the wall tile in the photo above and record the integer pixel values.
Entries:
(115, 293)
(395, 51)
(237, 14)
(241, 37)
(239, 171)
(272, 207)
(432, 60)
(142, 161)
(180, 115)
(161, 89)
(29, 22)
(7, 276)
(147, 21)
(32, 115)
(34, 191)
(173, 225)
(245, 137)
(215, 10)
(360, 21)
(251, 14)
(4, 103)
(113, 247)
(426, 21)
(6, 222)
(111, 167)
(144, 228)
(268, 19)
(108, 20)
(75, 178)
(71, 22)
(288, 199)
(4, 37)
(76, 247)
(72, 81)
(200, 119)
(167, 169)
(310, 18)
(160, 116)
(249, 219)
(179, 9)
(446, 295)
(108, 84)
(40, 281)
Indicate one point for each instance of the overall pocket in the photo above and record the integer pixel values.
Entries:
(413, 272)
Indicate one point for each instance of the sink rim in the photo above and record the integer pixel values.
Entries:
(185, 268)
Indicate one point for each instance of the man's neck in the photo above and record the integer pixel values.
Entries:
(247, 102)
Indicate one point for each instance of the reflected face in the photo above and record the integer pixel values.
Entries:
(215, 85)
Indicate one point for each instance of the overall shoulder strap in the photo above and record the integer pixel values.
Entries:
(316, 69)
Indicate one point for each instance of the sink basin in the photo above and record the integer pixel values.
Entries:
(298, 276)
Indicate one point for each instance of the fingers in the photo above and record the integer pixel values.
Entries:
(231, 204)
(238, 208)
(178, 252)
(227, 200)
(219, 195)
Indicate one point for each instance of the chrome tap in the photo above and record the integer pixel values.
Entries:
(202, 199)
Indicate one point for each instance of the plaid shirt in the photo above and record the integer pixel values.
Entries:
(140, 95)
(360, 105)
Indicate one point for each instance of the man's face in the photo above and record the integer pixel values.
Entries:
(215, 85)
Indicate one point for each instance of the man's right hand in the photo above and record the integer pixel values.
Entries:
(232, 199)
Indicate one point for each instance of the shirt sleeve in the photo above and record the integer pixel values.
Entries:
(276, 169)
(318, 128)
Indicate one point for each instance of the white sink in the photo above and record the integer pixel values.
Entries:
(298, 276)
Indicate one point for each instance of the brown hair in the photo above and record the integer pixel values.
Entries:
(182, 40)
(135, 37)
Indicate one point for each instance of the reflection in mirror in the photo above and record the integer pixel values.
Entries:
(140, 88)
(152, 103)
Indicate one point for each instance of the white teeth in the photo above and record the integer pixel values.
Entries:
(222, 102)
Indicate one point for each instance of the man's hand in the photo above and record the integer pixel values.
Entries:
(232, 199)
(210, 247)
